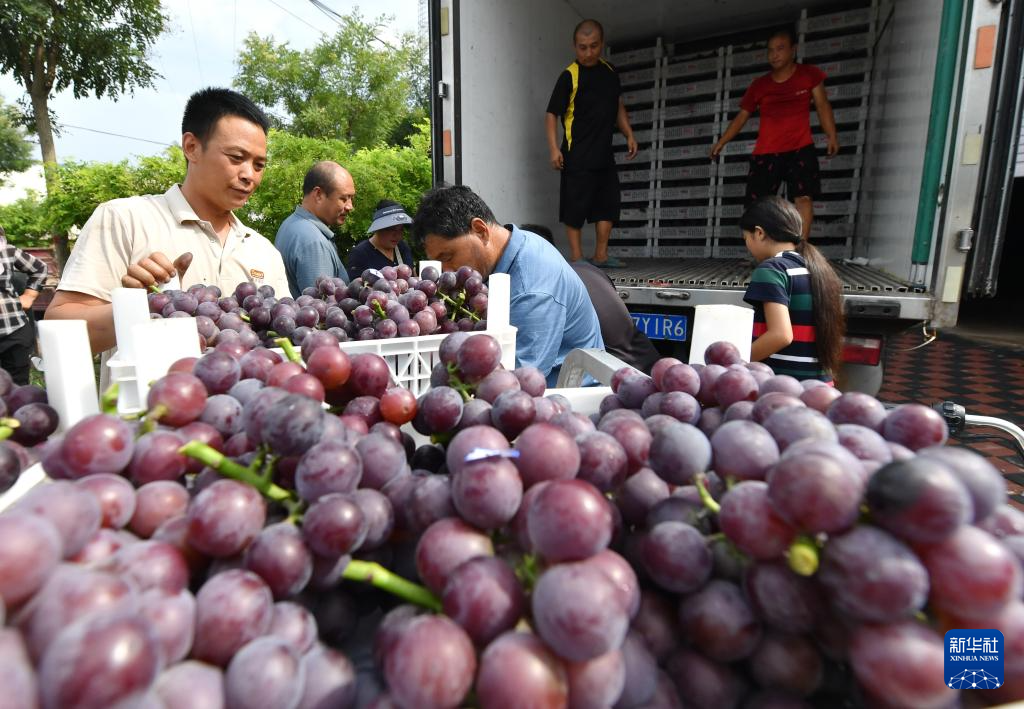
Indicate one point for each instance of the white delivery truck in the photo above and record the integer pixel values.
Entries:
(927, 97)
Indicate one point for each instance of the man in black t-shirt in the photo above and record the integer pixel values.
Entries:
(587, 98)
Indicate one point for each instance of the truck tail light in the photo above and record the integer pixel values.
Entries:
(862, 350)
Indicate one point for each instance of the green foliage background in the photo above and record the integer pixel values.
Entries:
(401, 173)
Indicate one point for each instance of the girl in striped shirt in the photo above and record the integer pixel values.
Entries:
(798, 309)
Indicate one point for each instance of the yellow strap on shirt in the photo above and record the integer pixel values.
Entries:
(574, 73)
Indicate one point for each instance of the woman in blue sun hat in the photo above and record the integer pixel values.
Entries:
(386, 245)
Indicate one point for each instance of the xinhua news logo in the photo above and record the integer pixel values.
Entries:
(974, 659)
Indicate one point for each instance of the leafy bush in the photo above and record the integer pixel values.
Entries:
(401, 173)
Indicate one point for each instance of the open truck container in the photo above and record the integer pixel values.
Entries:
(927, 96)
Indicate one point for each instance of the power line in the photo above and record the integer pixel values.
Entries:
(339, 18)
(164, 143)
(285, 9)
(195, 42)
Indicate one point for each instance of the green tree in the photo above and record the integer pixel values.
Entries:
(401, 173)
(352, 86)
(15, 149)
(96, 48)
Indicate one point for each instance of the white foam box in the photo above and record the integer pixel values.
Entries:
(712, 323)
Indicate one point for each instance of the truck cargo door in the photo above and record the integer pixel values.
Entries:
(445, 115)
(998, 164)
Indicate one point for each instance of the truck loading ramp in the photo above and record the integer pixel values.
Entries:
(735, 274)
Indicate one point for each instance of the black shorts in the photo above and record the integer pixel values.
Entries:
(589, 196)
(798, 169)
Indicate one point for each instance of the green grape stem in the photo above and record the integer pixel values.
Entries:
(457, 384)
(376, 575)
(289, 349)
(108, 402)
(213, 458)
(458, 308)
(705, 496)
(803, 556)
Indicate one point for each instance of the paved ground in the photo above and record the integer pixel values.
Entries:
(984, 375)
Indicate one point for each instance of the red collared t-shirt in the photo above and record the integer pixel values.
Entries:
(785, 109)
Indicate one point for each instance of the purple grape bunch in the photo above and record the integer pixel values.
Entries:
(278, 533)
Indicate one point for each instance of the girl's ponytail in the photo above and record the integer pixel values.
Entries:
(827, 303)
(781, 222)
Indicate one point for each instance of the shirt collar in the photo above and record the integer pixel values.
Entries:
(516, 241)
(304, 213)
(182, 211)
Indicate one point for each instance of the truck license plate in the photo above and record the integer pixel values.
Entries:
(659, 326)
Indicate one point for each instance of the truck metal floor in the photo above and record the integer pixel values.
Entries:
(735, 273)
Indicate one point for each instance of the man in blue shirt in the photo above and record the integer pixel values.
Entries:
(305, 239)
(549, 306)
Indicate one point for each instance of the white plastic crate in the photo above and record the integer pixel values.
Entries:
(686, 132)
(822, 228)
(680, 68)
(842, 207)
(633, 233)
(736, 147)
(731, 252)
(643, 195)
(851, 161)
(748, 57)
(837, 45)
(693, 88)
(839, 20)
(849, 137)
(683, 232)
(845, 67)
(635, 56)
(734, 169)
(696, 251)
(638, 251)
(642, 156)
(836, 251)
(635, 175)
(840, 184)
(411, 359)
(638, 96)
(673, 193)
(851, 114)
(633, 215)
(691, 110)
(637, 76)
(699, 212)
(641, 136)
(641, 117)
(686, 152)
(688, 172)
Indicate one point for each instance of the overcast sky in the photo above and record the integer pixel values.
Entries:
(198, 50)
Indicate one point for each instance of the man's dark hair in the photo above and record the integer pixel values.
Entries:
(206, 107)
(587, 26)
(540, 230)
(788, 32)
(448, 210)
(321, 175)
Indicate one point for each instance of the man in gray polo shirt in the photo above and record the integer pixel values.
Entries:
(190, 231)
(305, 239)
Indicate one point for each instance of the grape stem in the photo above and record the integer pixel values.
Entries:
(376, 575)
(705, 496)
(108, 402)
(458, 306)
(213, 458)
(244, 317)
(457, 384)
(802, 556)
(289, 349)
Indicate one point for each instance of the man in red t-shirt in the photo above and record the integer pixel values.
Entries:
(784, 151)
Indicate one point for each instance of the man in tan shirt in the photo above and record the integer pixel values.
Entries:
(191, 230)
